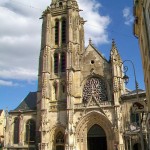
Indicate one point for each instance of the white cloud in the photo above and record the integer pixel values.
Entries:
(7, 83)
(127, 14)
(96, 25)
(20, 35)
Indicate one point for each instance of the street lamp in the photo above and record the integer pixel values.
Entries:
(126, 80)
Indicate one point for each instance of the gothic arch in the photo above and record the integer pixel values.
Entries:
(87, 122)
(30, 130)
(91, 76)
(54, 132)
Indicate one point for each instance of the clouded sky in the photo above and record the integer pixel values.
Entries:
(20, 36)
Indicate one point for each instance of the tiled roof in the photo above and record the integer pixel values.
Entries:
(29, 103)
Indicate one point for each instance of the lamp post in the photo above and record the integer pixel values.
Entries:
(126, 79)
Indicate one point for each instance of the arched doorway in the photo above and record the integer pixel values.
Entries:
(96, 138)
(60, 141)
(137, 146)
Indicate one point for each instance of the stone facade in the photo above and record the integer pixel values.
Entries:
(80, 99)
(2, 125)
(142, 32)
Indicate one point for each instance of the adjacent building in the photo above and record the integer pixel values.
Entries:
(142, 32)
(81, 102)
(2, 125)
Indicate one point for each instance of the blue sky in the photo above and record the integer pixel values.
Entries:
(20, 34)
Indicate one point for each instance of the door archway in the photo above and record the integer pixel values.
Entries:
(96, 138)
(137, 146)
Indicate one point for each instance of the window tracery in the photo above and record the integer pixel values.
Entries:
(94, 87)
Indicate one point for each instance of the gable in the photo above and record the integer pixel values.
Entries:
(93, 60)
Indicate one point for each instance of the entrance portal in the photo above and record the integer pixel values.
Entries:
(96, 138)
(136, 146)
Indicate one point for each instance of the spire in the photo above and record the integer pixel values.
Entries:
(90, 41)
(114, 47)
(114, 54)
(113, 44)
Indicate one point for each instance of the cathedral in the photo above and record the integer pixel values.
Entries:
(81, 102)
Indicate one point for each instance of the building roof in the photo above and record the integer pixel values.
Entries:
(133, 94)
(29, 103)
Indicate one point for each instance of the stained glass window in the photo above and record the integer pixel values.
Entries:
(94, 87)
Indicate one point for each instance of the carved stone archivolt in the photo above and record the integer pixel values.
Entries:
(90, 119)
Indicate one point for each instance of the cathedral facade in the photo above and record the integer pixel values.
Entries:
(77, 105)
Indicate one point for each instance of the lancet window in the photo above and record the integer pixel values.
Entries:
(56, 32)
(56, 62)
(63, 31)
(95, 87)
(134, 117)
(16, 130)
(63, 62)
(30, 131)
(59, 141)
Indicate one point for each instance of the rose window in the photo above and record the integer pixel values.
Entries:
(94, 87)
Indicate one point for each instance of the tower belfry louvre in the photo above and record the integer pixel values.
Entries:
(77, 104)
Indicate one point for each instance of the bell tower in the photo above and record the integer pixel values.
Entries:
(61, 46)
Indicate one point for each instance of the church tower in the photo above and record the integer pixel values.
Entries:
(61, 46)
(81, 102)
(78, 89)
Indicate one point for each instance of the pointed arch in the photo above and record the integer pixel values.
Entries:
(56, 62)
(30, 131)
(63, 62)
(90, 119)
(16, 130)
(134, 117)
(56, 31)
(63, 30)
(96, 138)
(55, 133)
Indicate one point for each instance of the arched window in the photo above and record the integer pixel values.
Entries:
(16, 130)
(56, 58)
(134, 118)
(30, 131)
(59, 141)
(95, 87)
(63, 62)
(63, 31)
(56, 32)
(60, 4)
